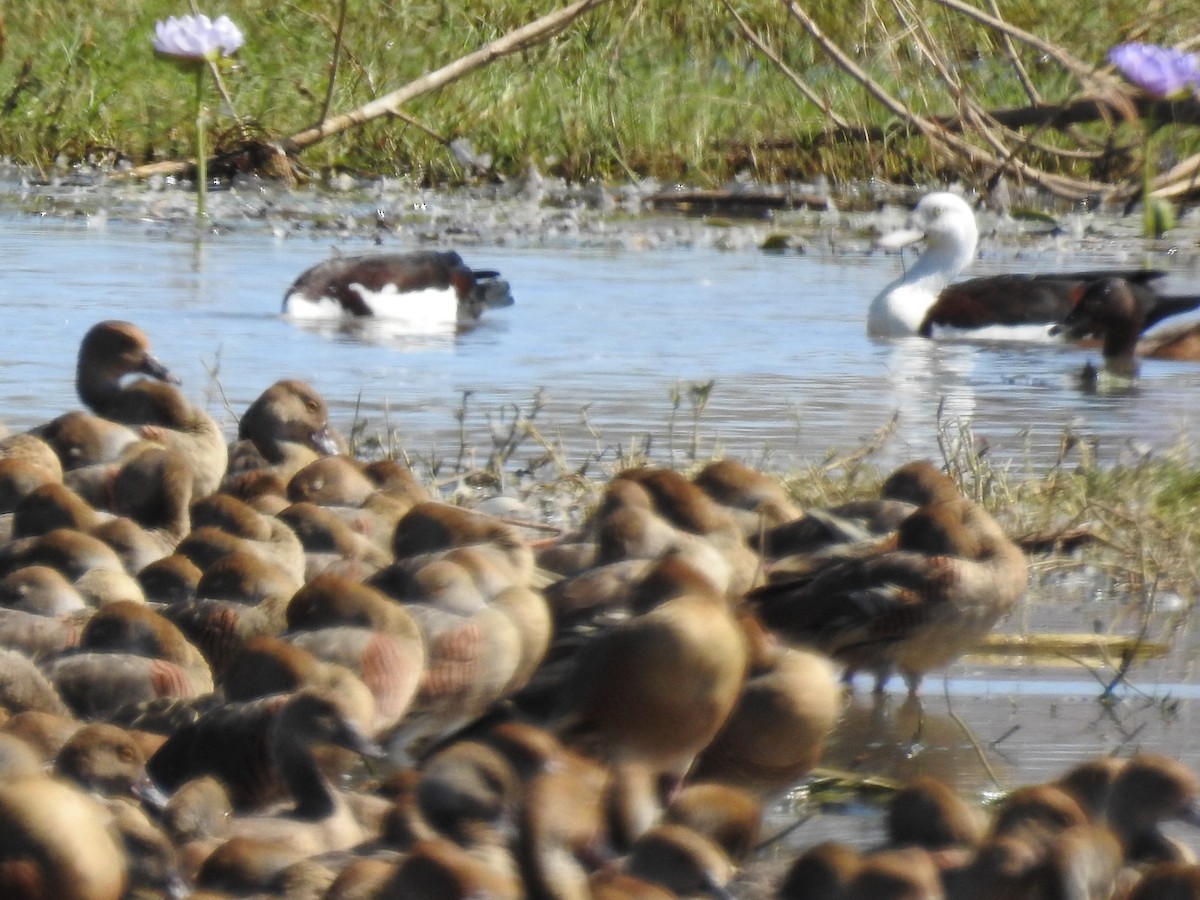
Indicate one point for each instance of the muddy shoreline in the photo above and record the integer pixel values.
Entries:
(541, 211)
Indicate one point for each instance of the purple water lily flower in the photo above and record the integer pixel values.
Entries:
(197, 38)
(1160, 71)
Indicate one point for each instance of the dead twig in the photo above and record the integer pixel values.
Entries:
(800, 83)
(334, 61)
(389, 104)
(1092, 81)
(946, 142)
(520, 39)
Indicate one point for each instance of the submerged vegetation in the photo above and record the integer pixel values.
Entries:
(629, 90)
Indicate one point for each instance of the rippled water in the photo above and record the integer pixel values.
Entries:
(605, 337)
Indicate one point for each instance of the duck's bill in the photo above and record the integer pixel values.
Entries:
(323, 441)
(151, 794)
(352, 738)
(894, 240)
(1190, 815)
(155, 369)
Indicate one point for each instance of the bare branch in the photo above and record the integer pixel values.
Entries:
(948, 141)
(389, 105)
(1011, 51)
(800, 83)
(527, 35)
(1092, 81)
(333, 63)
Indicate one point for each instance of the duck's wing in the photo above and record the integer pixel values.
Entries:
(1019, 299)
(874, 601)
(228, 742)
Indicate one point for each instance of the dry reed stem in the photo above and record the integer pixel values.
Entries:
(516, 40)
(777, 60)
(950, 143)
(1092, 81)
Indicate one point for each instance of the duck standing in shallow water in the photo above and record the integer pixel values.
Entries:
(947, 577)
(923, 302)
(427, 287)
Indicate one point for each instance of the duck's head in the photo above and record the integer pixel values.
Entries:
(944, 221)
(946, 224)
(318, 716)
(1107, 308)
(120, 348)
(1104, 305)
(289, 410)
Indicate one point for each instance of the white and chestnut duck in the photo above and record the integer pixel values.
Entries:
(924, 302)
(426, 286)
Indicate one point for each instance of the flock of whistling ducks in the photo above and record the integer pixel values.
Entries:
(266, 668)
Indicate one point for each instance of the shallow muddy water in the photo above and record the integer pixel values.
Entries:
(606, 327)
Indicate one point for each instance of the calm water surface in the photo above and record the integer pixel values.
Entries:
(606, 337)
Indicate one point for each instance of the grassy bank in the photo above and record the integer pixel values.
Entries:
(669, 90)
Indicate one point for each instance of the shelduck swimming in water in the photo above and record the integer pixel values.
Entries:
(923, 301)
(1113, 309)
(427, 287)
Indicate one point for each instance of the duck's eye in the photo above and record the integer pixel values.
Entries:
(125, 754)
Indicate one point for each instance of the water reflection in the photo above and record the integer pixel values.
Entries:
(901, 737)
(400, 335)
(932, 382)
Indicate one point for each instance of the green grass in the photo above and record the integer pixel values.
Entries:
(669, 90)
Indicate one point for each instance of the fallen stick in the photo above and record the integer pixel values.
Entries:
(1048, 646)
(525, 36)
(520, 39)
(1058, 116)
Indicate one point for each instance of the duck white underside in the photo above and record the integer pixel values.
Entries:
(426, 310)
(1033, 333)
(900, 309)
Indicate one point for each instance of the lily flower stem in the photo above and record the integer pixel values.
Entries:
(1149, 220)
(201, 152)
